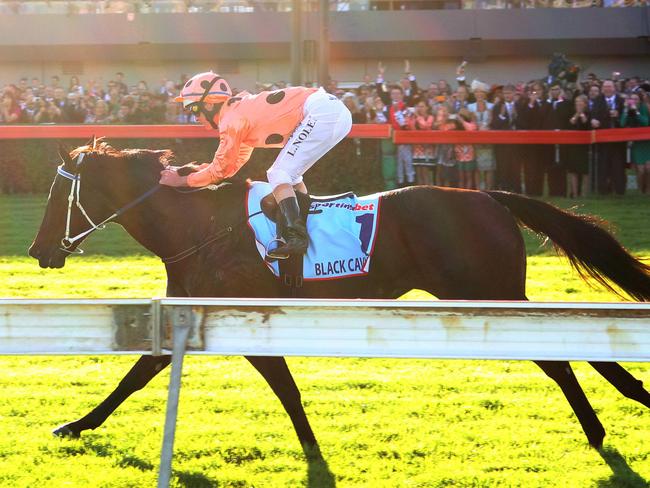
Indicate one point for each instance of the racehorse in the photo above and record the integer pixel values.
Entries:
(455, 244)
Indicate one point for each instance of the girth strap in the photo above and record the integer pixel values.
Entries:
(291, 276)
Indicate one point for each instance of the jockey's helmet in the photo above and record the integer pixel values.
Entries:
(206, 87)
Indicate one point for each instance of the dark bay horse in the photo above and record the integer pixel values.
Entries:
(455, 244)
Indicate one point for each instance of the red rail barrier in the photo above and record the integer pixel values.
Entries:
(520, 136)
(56, 131)
(364, 131)
(371, 131)
(491, 137)
(621, 135)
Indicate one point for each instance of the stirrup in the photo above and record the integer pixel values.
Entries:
(268, 257)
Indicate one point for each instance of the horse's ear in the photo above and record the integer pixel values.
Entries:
(91, 143)
(64, 154)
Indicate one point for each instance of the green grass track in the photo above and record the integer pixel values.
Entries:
(380, 423)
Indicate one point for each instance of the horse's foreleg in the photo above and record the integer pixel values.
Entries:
(561, 372)
(140, 374)
(623, 381)
(276, 372)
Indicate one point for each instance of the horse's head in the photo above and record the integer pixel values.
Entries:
(89, 186)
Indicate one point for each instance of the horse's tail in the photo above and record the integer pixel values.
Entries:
(591, 250)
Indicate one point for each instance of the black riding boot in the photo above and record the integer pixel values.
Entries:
(292, 230)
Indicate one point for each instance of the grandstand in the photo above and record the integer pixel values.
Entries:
(250, 42)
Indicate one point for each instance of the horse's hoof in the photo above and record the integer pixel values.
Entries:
(596, 441)
(66, 431)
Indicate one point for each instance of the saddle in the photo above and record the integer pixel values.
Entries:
(291, 270)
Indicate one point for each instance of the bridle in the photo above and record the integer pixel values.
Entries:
(67, 242)
(73, 198)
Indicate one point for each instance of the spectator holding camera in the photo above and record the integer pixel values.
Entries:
(377, 113)
(635, 114)
(446, 170)
(47, 113)
(75, 86)
(423, 154)
(577, 155)
(27, 105)
(73, 110)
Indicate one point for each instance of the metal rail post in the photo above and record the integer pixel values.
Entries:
(323, 44)
(182, 325)
(296, 43)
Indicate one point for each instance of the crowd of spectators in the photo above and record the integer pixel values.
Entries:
(34, 102)
(556, 102)
(75, 7)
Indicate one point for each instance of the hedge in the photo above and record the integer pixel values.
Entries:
(28, 165)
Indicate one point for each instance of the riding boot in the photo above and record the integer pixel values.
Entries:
(292, 230)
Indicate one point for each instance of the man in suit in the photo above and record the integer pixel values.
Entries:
(530, 118)
(610, 160)
(505, 115)
(556, 111)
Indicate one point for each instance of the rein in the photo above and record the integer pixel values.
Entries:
(196, 248)
(67, 242)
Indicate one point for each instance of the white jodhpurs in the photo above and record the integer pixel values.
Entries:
(326, 121)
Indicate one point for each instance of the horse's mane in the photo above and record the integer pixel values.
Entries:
(99, 147)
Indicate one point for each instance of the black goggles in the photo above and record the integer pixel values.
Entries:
(194, 108)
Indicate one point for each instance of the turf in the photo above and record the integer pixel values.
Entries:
(380, 423)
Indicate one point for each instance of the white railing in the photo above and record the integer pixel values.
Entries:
(344, 328)
(359, 328)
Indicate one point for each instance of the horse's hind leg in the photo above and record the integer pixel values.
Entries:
(623, 381)
(140, 374)
(561, 372)
(276, 372)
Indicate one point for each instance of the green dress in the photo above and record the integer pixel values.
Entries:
(640, 149)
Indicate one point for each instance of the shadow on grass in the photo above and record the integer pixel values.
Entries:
(122, 459)
(318, 472)
(192, 479)
(623, 475)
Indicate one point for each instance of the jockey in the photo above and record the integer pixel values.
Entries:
(304, 122)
